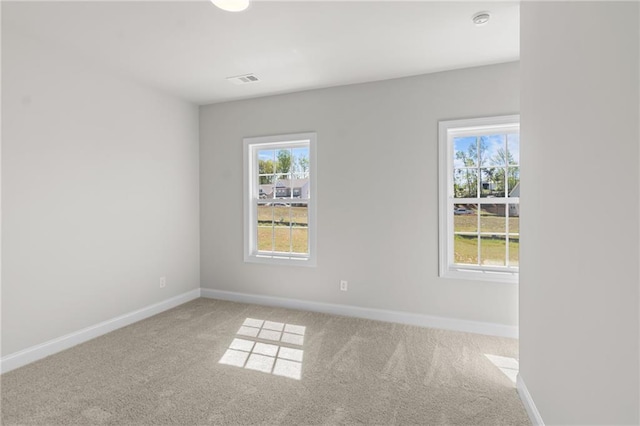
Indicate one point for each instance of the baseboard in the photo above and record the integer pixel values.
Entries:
(527, 401)
(34, 353)
(477, 327)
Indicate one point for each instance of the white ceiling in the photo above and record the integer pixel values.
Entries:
(188, 48)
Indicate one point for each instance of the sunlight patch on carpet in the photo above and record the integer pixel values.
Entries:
(269, 356)
(508, 366)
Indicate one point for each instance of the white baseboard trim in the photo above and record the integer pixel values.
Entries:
(527, 401)
(477, 327)
(34, 353)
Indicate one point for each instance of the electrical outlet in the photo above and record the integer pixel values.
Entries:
(163, 282)
(343, 285)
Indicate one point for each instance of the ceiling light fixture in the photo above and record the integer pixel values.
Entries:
(231, 5)
(481, 18)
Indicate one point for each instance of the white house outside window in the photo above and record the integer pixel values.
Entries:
(280, 207)
(480, 198)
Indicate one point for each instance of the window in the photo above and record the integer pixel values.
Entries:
(480, 198)
(280, 199)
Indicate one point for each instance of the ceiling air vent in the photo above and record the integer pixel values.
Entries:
(243, 79)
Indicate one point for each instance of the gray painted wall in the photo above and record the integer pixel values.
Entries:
(377, 192)
(580, 216)
(99, 194)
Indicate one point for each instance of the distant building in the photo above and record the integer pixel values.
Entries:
(285, 188)
(292, 188)
(266, 191)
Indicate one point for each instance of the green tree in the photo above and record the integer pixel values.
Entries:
(480, 157)
(513, 177)
(465, 176)
(303, 165)
(266, 167)
(468, 178)
(502, 158)
(284, 161)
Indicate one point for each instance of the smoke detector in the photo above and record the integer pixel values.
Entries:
(243, 79)
(481, 18)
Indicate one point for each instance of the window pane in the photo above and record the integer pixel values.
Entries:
(282, 186)
(282, 238)
(493, 151)
(465, 183)
(492, 182)
(265, 191)
(266, 166)
(513, 148)
(465, 218)
(465, 249)
(493, 250)
(492, 218)
(300, 164)
(300, 239)
(265, 228)
(265, 214)
(299, 215)
(266, 180)
(284, 161)
(300, 228)
(514, 218)
(465, 152)
(265, 238)
(513, 174)
(299, 187)
(281, 227)
(281, 214)
(514, 250)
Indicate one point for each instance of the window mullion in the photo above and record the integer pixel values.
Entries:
(478, 193)
(506, 228)
(273, 228)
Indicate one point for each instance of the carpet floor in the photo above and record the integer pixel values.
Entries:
(216, 362)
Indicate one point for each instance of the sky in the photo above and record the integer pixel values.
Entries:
(493, 142)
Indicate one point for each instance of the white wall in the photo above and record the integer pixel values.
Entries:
(99, 194)
(580, 216)
(377, 192)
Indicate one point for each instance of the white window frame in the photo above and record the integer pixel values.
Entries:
(251, 196)
(447, 131)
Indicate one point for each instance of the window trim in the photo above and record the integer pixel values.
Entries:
(446, 131)
(251, 145)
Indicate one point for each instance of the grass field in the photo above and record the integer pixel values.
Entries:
(278, 238)
(492, 250)
(282, 215)
(283, 229)
(488, 223)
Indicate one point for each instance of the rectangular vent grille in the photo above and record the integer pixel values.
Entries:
(243, 79)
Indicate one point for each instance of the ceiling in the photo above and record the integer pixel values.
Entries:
(188, 48)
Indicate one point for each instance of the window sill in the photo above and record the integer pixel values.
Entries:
(281, 260)
(481, 275)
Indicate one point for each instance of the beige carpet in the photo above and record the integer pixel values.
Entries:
(166, 370)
